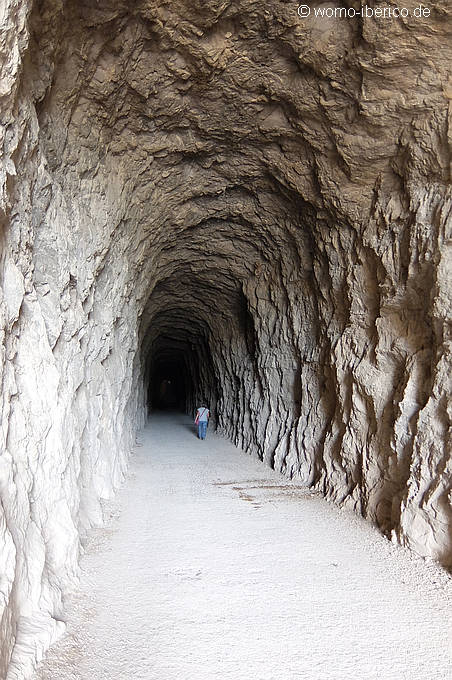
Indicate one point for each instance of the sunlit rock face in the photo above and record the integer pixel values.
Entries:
(256, 206)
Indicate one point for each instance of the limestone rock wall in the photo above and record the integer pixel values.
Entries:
(262, 199)
(68, 337)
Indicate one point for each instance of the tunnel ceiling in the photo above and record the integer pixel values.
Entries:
(233, 128)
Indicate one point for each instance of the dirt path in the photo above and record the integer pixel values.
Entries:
(218, 567)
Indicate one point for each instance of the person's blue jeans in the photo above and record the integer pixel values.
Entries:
(202, 429)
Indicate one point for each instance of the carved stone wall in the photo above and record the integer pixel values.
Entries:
(262, 200)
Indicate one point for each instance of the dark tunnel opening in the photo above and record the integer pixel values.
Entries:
(191, 353)
(169, 384)
(179, 370)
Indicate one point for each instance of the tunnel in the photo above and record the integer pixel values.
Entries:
(167, 384)
(225, 202)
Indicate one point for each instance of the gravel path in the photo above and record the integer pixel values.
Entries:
(217, 567)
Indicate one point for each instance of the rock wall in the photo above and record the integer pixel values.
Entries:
(263, 200)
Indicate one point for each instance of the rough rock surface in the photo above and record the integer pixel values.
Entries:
(261, 203)
(239, 572)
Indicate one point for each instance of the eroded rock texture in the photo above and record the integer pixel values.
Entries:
(252, 204)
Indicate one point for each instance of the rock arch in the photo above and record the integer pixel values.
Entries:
(260, 199)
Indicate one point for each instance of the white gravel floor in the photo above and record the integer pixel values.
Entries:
(217, 567)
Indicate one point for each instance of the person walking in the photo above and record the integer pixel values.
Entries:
(201, 420)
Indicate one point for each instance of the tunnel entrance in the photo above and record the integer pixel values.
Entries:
(206, 202)
(178, 370)
(167, 388)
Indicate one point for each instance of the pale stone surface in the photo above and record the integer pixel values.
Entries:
(293, 173)
(239, 572)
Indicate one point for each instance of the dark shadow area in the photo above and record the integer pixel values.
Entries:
(191, 427)
(178, 369)
(167, 388)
